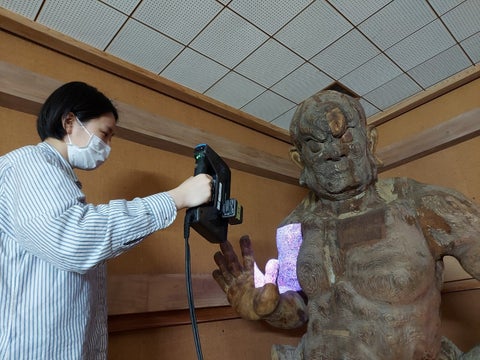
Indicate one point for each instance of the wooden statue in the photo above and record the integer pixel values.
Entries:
(360, 259)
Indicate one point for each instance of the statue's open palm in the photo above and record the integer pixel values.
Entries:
(238, 282)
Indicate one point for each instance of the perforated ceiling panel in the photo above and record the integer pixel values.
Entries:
(396, 21)
(235, 90)
(269, 15)
(91, 22)
(440, 67)
(443, 6)
(145, 47)
(228, 39)
(358, 11)
(125, 6)
(313, 29)
(345, 55)
(471, 46)
(27, 8)
(422, 45)
(464, 20)
(371, 75)
(393, 91)
(185, 67)
(180, 20)
(269, 63)
(264, 57)
(302, 82)
(268, 106)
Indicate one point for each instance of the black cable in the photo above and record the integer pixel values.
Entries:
(188, 280)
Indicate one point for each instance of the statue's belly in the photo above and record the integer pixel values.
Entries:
(382, 255)
(372, 287)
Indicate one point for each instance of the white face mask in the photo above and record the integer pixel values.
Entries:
(88, 157)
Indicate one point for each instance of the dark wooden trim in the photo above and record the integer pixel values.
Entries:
(461, 128)
(142, 293)
(24, 90)
(159, 319)
(460, 285)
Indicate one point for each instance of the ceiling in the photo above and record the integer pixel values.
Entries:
(264, 57)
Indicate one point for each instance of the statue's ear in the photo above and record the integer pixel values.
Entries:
(295, 156)
(372, 137)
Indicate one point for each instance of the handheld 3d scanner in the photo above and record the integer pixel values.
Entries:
(211, 220)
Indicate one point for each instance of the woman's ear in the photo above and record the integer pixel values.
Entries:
(68, 121)
(295, 156)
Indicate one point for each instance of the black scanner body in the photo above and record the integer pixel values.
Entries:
(208, 219)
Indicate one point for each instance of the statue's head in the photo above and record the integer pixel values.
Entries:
(333, 145)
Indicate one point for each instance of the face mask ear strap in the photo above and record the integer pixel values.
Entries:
(83, 126)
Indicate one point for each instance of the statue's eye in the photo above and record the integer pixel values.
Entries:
(314, 145)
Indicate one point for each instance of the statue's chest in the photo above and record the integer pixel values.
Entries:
(381, 252)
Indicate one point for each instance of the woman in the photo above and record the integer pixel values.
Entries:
(53, 244)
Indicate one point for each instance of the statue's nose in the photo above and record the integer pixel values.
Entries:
(334, 151)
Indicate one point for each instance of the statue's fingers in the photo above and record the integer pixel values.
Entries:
(247, 253)
(231, 258)
(220, 279)
(221, 262)
(226, 246)
(246, 245)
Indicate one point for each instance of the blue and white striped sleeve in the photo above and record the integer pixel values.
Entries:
(48, 216)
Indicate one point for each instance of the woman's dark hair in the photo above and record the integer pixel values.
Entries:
(83, 100)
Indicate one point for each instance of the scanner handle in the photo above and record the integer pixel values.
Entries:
(202, 167)
(200, 160)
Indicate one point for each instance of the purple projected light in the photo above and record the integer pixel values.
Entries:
(289, 240)
(284, 270)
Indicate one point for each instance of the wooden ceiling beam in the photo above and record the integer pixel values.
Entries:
(460, 128)
(25, 91)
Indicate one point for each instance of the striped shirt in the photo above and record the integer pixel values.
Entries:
(53, 247)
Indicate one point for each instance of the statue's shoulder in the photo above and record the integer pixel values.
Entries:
(421, 194)
(401, 188)
(298, 214)
(391, 189)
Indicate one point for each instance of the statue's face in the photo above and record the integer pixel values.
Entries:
(334, 152)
